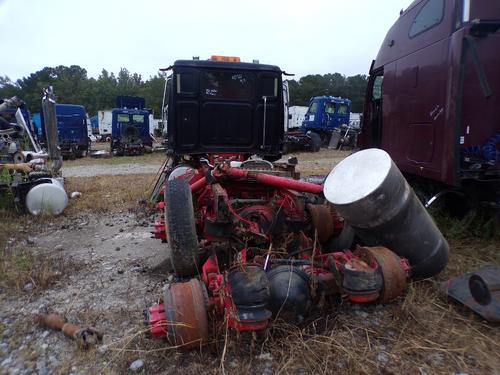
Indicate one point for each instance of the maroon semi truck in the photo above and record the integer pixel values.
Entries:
(433, 97)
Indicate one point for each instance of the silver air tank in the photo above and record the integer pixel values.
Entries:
(372, 195)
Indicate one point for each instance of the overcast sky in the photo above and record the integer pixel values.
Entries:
(301, 37)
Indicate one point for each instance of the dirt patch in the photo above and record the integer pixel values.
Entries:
(121, 271)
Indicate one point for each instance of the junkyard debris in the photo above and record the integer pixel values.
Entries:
(479, 291)
(85, 337)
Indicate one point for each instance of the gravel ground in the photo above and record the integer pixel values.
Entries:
(119, 271)
(309, 163)
(109, 169)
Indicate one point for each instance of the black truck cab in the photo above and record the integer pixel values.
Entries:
(225, 107)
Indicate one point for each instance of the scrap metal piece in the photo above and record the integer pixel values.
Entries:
(50, 120)
(483, 288)
(85, 337)
(393, 274)
(9, 103)
(479, 291)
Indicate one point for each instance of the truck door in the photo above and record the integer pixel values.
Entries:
(371, 135)
(330, 118)
(415, 83)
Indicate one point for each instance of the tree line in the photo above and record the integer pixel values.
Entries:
(73, 85)
(335, 84)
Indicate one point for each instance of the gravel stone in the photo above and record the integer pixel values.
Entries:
(137, 365)
(28, 287)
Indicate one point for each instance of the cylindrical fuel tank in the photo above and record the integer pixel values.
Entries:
(47, 198)
(372, 195)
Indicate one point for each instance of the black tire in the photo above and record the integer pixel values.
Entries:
(181, 228)
(315, 142)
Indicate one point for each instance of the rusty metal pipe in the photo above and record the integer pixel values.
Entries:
(277, 181)
(84, 337)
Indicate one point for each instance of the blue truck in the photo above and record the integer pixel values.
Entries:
(325, 114)
(72, 130)
(130, 126)
(326, 122)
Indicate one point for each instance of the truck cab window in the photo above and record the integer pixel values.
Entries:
(122, 117)
(313, 108)
(227, 85)
(377, 88)
(330, 108)
(139, 119)
(268, 87)
(343, 109)
(187, 84)
(430, 15)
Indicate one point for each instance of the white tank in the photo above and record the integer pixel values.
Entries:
(47, 199)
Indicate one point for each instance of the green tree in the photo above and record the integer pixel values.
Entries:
(333, 84)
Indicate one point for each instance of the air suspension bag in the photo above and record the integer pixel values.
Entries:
(250, 293)
(372, 195)
(290, 295)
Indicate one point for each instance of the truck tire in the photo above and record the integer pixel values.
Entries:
(315, 142)
(181, 228)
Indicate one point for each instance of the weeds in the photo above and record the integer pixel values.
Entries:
(19, 267)
(479, 222)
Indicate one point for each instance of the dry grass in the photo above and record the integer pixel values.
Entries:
(19, 267)
(421, 334)
(318, 163)
(108, 193)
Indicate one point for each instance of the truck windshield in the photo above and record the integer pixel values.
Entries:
(138, 118)
(129, 119)
(342, 109)
(227, 85)
(313, 108)
(330, 108)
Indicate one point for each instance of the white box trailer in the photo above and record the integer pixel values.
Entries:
(104, 119)
(297, 114)
(154, 123)
(355, 120)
